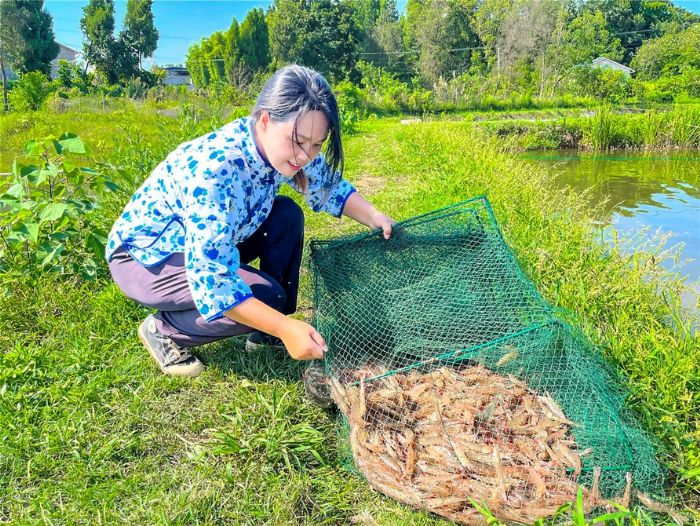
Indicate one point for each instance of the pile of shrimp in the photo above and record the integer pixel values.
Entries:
(433, 440)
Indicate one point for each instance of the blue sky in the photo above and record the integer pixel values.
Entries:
(182, 23)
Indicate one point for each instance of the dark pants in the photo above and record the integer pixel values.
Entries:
(278, 243)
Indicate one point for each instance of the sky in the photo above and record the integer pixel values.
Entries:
(181, 23)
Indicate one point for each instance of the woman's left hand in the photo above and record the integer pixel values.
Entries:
(379, 220)
(361, 211)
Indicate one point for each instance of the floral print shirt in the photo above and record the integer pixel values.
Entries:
(206, 197)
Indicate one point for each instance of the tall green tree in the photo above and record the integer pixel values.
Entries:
(388, 35)
(634, 21)
(488, 20)
(411, 23)
(381, 35)
(140, 34)
(445, 37)
(215, 47)
(235, 73)
(366, 13)
(254, 43)
(97, 25)
(586, 37)
(196, 66)
(530, 34)
(669, 55)
(321, 34)
(27, 33)
(11, 17)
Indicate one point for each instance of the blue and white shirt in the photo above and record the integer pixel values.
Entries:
(206, 197)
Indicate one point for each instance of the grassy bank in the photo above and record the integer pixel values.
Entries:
(605, 128)
(90, 432)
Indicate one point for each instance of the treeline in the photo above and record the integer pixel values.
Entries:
(28, 45)
(458, 49)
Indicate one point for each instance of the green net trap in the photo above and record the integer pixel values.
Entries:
(456, 380)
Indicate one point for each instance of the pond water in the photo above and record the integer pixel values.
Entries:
(658, 190)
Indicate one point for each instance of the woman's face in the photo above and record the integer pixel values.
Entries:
(289, 151)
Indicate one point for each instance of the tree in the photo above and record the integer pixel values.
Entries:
(446, 38)
(635, 21)
(139, 33)
(387, 38)
(196, 66)
(27, 32)
(27, 41)
(254, 43)
(117, 58)
(488, 21)
(321, 34)
(380, 32)
(585, 38)
(286, 20)
(65, 73)
(668, 55)
(97, 25)
(366, 14)
(232, 55)
(216, 46)
(12, 17)
(530, 35)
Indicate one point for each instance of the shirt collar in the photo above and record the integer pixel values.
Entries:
(253, 154)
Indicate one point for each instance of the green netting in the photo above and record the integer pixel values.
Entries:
(446, 293)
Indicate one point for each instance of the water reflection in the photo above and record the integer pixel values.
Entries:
(636, 191)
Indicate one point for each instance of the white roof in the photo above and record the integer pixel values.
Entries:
(609, 62)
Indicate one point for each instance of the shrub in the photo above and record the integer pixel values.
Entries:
(135, 89)
(47, 212)
(65, 73)
(351, 103)
(670, 88)
(601, 83)
(30, 92)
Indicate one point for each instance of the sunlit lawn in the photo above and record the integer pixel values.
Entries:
(92, 433)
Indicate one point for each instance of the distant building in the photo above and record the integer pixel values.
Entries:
(65, 53)
(603, 62)
(177, 76)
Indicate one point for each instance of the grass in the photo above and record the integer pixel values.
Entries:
(607, 128)
(92, 433)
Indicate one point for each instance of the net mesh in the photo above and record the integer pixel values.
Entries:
(456, 380)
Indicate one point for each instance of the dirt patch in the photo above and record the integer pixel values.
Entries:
(369, 184)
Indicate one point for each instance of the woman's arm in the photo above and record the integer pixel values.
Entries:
(301, 340)
(359, 209)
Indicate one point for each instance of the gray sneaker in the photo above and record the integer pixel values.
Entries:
(170, 357)
(258, 341)
(317, 386)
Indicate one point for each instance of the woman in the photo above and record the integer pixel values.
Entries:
(184, 241)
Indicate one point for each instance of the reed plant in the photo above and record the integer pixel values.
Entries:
(601, 128)
(652, 126)
(685, 126)
(677, 127)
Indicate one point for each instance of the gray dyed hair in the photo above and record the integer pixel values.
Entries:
(291, 92)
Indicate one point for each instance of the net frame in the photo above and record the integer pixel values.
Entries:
(368, 317)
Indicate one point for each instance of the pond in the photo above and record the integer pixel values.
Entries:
(659, 191)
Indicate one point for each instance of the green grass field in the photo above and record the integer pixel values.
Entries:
(92, 433)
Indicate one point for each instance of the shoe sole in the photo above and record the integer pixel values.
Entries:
(254, 347)
(190, 371)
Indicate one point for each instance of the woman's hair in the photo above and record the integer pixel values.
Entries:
(291, 92)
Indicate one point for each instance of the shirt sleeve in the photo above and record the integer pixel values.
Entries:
(327, 190)
(211, 258)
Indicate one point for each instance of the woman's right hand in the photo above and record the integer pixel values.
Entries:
(302, 341)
